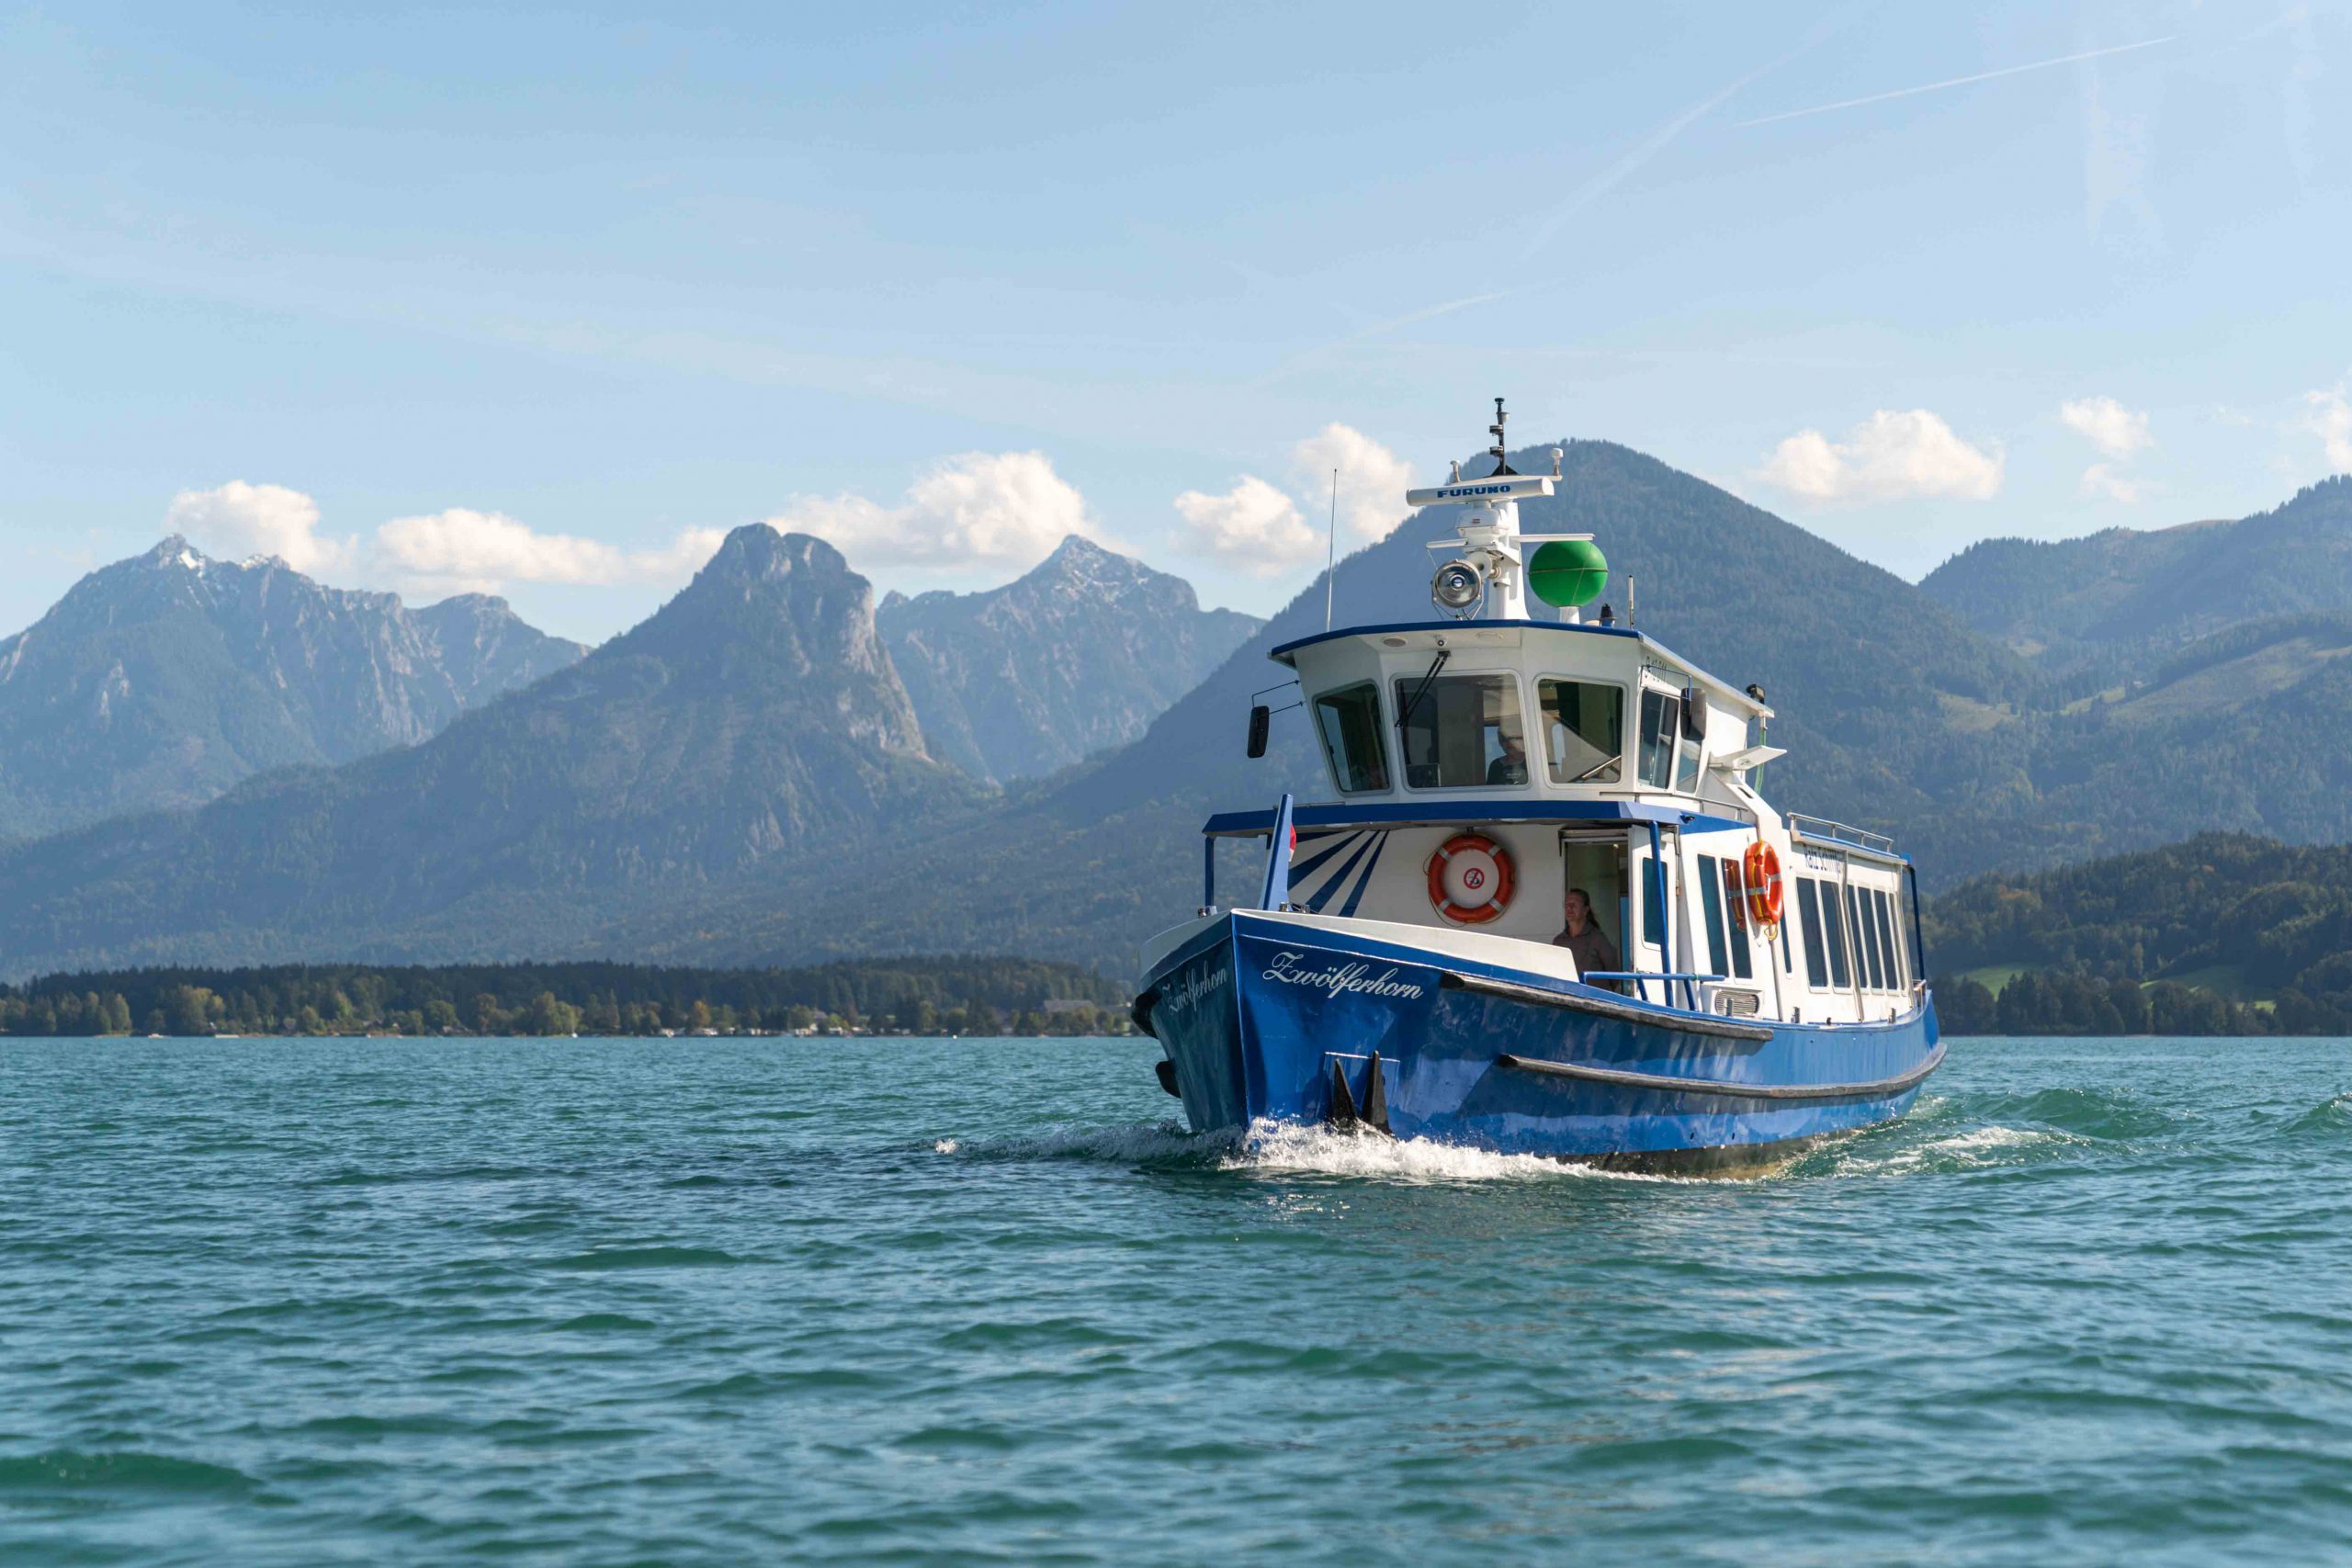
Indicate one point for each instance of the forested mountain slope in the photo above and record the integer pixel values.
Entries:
(2063, 598)
(2234, 917)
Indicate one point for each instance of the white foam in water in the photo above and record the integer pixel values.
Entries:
(1282, 1146)
(1978, 1146)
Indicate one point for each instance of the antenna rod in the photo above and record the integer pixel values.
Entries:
(1331, 550)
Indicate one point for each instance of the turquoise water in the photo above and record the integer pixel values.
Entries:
(586, 1301)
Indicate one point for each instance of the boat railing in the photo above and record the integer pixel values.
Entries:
(1823, 828)
(1690, 983)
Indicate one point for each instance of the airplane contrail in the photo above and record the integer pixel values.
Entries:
(1955, 82)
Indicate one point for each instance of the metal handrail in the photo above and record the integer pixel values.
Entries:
(1646, 975)
(1838, 832)
(1690, 983)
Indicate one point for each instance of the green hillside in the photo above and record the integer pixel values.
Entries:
(2225, 933)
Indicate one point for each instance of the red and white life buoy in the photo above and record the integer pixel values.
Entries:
(1470, 879)
(1760, 876)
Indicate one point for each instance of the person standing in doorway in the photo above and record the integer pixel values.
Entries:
(1584, 938)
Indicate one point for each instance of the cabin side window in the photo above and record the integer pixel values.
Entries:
(1825, 928)
(1743, 964)
(1890, 919)
(1649, 903)
(1711, 903)
(1720, 893)
(1870, 958)
(1832, 937)
(1661, 726)
(1348, 722)
(1461, 731)
(1584, 729)
(1817, 961)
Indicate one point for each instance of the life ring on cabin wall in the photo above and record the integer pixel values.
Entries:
(1760, 876)
(1470, 879)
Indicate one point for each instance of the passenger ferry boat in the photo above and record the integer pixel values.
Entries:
(1548, 911)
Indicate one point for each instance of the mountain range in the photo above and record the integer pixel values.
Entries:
(754, 716)
(163, 680)
(752, 775)
(1075, 657)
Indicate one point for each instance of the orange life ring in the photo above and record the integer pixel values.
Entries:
(1760, 875)
(1465, 866)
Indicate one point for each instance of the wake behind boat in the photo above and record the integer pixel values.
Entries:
(1587, 937)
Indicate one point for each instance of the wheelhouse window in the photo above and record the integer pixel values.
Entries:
(1584, 729)
(1348, 722)
(1461, 731)
(1661, 726)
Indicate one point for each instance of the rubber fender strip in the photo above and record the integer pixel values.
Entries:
(1608, 1007)
(1894, 1085)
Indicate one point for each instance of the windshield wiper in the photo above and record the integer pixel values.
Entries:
(1404, 716)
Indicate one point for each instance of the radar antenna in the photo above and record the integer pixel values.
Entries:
(1502, 462)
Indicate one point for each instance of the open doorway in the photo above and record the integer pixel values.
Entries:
(1594, 865)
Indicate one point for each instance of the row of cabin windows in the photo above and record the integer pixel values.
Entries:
(1464, 732)
(1830, 917)
(1852, 937)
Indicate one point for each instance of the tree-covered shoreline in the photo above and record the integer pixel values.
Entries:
(2226, 933)
(959, 995)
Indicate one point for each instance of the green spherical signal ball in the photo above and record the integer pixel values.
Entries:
(1569, 572)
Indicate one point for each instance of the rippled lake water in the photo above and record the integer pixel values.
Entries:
(627, 1302)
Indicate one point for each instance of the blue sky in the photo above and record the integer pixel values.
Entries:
(537, 299)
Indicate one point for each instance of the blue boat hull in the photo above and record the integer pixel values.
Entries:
(1257, 1016)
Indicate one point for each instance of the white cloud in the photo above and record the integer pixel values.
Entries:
(2118, 432)
(236, 520)
(460, 547)
(994, 509)
(2329, 417)
(2101, 479)
(1889, 456)
(1264, 530)
(2107, 424)
(443, 552)
(1252, 526)
(1373, 480)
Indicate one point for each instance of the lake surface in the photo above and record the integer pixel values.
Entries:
(628, 1301)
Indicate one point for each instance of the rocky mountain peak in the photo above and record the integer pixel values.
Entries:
(166, 678)
(1080, 653)
(174, 551)
(758, 550)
